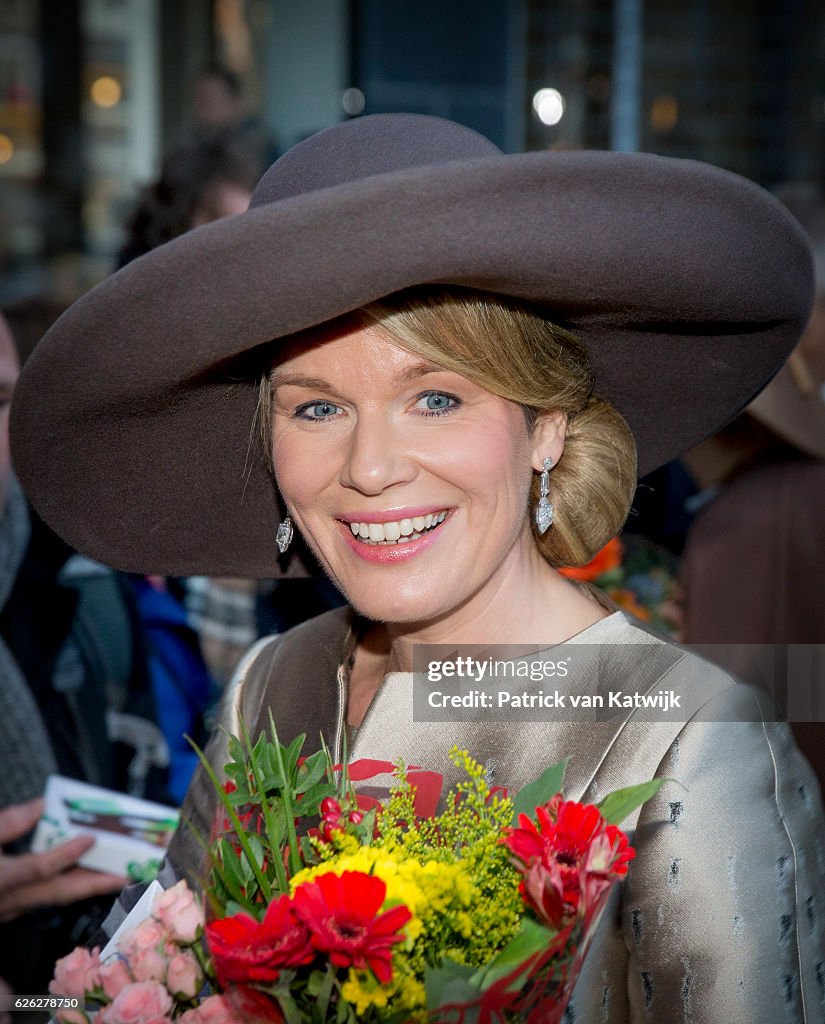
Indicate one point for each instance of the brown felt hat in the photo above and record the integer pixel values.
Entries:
(131, 425)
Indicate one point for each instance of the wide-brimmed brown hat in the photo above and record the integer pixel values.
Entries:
(132, 421)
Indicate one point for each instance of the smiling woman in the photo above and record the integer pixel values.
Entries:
(391, 305)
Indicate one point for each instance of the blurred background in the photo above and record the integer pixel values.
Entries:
(94, 92)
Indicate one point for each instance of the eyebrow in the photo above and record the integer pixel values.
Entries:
(408, 374)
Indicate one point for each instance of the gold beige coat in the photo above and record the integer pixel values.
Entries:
(722, 917)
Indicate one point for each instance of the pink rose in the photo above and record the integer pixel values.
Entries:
(179, 911)
(149, 934)
(76, 974)
(184, 978)
(114, 977)
(148, 965)
(140, 1003)
(213, 1010)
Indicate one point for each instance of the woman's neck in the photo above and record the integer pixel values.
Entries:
(527, 604)
(537, 608)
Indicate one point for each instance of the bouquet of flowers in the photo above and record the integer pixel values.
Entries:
(323, 906)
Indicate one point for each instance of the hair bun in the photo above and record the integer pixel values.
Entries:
(591, 486)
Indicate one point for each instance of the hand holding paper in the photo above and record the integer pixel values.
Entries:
(52, 877)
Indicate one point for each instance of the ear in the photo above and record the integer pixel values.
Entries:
(548, 438)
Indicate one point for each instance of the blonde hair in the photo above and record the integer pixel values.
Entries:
(509, 348)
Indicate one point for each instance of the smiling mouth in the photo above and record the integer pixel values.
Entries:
(401, 531)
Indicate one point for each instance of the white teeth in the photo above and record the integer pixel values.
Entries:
(397, 532)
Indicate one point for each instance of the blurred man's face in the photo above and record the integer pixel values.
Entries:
(215, 105)
(9, 368)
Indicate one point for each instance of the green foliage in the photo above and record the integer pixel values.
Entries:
(617, 805)
(537, 793)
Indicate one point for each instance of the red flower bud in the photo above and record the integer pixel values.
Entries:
(328, 829)
(330, 809)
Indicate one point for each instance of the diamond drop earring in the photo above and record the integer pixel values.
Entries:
(283, 538)
(544, 509)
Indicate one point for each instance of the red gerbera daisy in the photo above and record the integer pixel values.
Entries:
(341, 912)
(571, 856)
(245, 951)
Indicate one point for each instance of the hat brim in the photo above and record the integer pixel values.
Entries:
(131, 428)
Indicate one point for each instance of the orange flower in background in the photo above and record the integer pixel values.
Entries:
(610, 557)
(626, 599)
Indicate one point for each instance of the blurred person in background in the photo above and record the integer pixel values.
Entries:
(755, 555)
(199, 182)
(220, 112)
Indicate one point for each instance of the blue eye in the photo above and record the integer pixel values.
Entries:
(437, 402)
(316, 411)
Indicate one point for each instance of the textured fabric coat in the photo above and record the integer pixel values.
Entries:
(721, 918)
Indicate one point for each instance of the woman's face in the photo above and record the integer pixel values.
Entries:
(408, 481)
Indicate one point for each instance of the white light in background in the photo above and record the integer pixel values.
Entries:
(549, 106)
(353, 101)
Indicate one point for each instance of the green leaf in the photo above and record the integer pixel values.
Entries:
(310, 802)
(289, 1008)
(237, 826)
(274, 779)
(533, 938)
(366, 829)
(236, 751)
(449, 983)
(346, 1013)
(325, 992)
(314, 982)
(274, 832)
(537, 793)
(288, 804)
(257, 848)
(618, 805)
(313, 770)
(292, 753)
(228, 870)
(231, 863)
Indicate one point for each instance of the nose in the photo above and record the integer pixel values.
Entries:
(377, 456)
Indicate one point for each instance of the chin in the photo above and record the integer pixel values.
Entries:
(394, 607)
